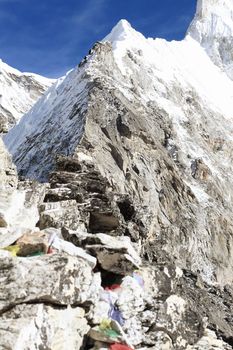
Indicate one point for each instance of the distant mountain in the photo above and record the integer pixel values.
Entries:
(18, 93)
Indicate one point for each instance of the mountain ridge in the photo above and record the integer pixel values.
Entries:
(18, 93)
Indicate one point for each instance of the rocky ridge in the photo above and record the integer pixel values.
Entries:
(52, 300)
(136, 181)
(170, 159)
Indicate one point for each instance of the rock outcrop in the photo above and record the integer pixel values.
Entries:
(56, 279)
(40, 326)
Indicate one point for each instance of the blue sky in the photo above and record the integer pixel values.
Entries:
(49, 37)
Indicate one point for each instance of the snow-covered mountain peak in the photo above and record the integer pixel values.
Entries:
(122, 31)
(212, 27)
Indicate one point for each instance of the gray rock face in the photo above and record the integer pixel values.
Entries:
(170, 206)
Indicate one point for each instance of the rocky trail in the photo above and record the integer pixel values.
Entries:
(64, 282)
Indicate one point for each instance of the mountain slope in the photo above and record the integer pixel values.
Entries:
(159, 95)
(18, 93)
(137, 141)
(145, 66)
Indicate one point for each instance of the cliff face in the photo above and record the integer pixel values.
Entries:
(136, 147)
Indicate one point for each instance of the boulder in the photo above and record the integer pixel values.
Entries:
(40, 326)
(33, 242)
(71, 249)
(59, 214)
(58, 279)
(115, 254)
